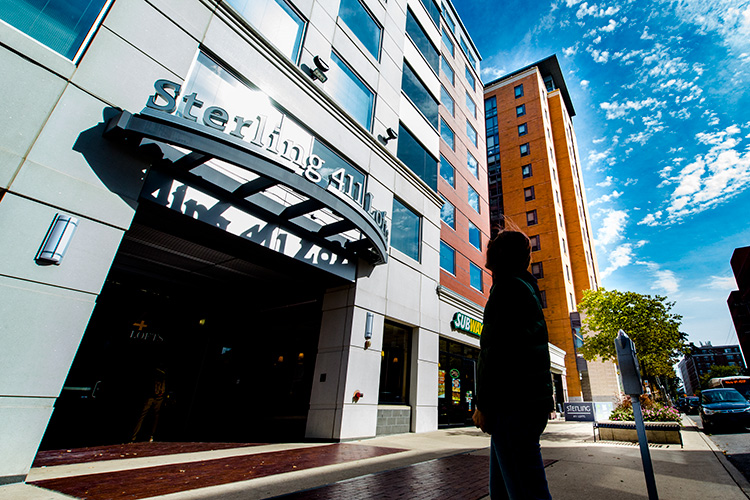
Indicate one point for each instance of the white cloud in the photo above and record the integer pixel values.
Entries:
(610, 27)
(599, 141)
(606, 182)
(667, 281)
(727, 18)
(712, 178)
(612, 227)
(597, 40)
(645, 35)
(631, 181)
(616, 109)
(651, 219)
(492, 72)
(606, 198)
(600, 56)
(585, 84)
(721, 283)
(619, 257)
(570, 51)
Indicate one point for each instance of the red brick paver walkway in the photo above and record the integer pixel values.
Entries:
(49, 458)
(161, 480)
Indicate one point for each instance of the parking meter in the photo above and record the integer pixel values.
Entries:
(630, 372)
(628, 362)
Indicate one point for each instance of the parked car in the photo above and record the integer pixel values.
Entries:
(689, 404)
(723, 407)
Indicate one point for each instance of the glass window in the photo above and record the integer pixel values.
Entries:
(473, 199)
(475, 236)
(447, 70)
(543, 297)
(447, 134)
(433, 10)
(447, 171)
(531, 218)
(471, 105)
(447, 258)
(526, 170)
(61, 25)
(394, 364)
(528, 193)
(470, 78)
(447, 100)
(448, 20)
(448, 43)
(535, 243)
(518, 91)
(493, 138)
(362, 24)
(350, 92)
(524, 149)
(521, 110)
(422, 41)
(448, 214)
(472, 133)
(472, 164)
(405, 230)
(276, 20)
(418, 94)
(416, 157)
(536, 270)
(475, 276)
(468, 53)
(522, 129)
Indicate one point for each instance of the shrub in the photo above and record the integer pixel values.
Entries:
(652, 412)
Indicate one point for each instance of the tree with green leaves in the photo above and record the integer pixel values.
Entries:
(647, 320)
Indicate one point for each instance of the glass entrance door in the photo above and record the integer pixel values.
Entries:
(456, 383)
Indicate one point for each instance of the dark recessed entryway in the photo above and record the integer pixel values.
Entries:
(219, 333)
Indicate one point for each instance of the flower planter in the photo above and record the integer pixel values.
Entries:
(656, 432)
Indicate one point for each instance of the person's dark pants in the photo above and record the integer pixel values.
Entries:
(516, 466)
(151, 404)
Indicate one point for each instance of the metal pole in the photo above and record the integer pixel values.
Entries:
(648, 469)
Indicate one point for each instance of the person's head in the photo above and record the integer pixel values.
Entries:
(508, 252)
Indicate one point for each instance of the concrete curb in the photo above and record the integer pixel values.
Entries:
(736, 475)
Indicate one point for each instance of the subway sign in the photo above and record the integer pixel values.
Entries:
(463, 323)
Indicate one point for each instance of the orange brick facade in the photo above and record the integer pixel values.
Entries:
(547, 201)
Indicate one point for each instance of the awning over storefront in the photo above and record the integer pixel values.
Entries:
(238, 176)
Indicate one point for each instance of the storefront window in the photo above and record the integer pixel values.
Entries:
(456, 383)
(276, 20)
(394, 364)
(61, 25)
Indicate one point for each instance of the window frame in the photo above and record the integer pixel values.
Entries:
(524, 149)
(445, 94)
(480, 274)
(520, 110)
(297, 53)
(471, 190)
(523, 129)
(532, 219)
(394, 226)
(452, 76)
(452, 181)
(346, 67)
(419, 93)
(452, 144)
(523, 171)
(471, 105)
(474, 170)
(536, 242)
(452, 252)
(516, 90)
(472, 134)
(540, 274)
(478, 233)
(353, 29)
(470, 78)
(446, 203)
(445, 37)
(528, 193)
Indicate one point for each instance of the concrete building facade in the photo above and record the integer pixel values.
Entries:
(536, 185)
(739, 300)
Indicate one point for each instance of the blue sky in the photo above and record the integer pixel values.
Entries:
(660, 90)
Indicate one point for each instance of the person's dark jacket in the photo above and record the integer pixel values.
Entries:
(514, 364)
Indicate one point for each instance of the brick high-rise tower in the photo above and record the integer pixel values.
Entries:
(535, 182)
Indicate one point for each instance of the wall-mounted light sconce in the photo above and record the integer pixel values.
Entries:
(390, 134)
(318, 73)
(368, 329)
(57, 240)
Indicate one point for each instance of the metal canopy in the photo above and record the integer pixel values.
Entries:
(371, 245)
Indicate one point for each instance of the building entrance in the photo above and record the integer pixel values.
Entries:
(192, 343)
(456, 383)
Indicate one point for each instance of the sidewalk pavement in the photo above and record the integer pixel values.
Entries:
(450, 463)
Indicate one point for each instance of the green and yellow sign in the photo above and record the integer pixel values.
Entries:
(464, 323)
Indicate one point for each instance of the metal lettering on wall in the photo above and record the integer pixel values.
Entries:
(270, 133)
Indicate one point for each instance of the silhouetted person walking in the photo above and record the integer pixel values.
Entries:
(152, 404)
(514, 347)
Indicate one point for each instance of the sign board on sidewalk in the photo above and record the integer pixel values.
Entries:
(579, 412)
